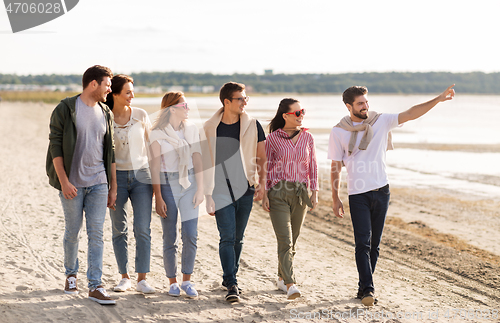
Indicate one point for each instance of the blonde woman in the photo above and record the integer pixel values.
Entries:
(178, 186)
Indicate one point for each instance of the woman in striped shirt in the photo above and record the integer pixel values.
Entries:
(291, 169)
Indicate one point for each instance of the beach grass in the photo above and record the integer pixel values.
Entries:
(34, 96)
(56, 96)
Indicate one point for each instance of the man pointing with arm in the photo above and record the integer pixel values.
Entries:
(359, 142)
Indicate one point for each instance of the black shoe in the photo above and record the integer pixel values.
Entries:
(360, 296)
(232, 294)
(224, 285)
(368, 299)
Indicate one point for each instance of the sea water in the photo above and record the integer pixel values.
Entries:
(467, 119)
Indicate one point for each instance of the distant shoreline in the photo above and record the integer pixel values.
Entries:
(475, 148)
(55, 97)
(377, 82)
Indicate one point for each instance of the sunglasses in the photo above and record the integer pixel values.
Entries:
(181, 105)
(298, 112)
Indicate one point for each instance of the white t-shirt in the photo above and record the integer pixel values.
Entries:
(366, 169)
(130, 141)
(169, 157)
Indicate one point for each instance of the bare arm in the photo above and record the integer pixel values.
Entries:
(68, 190)
(313, 174)
(269, 147)
(419, 110)
(210, 205)
(198, 173)
(261, 167)
(113, 187)
(155, 167)
(160, 206)
(337, 206)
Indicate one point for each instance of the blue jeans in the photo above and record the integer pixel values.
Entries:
(136, 186)
(231, 222)
(368, 211)
(179, 200)
(93, 201)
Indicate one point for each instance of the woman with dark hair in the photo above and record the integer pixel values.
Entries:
(131, 129)
(178, 186)
(291, 169)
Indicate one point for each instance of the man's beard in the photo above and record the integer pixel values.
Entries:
(99, 97)
(359, 115)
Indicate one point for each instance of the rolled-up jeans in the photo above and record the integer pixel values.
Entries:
(179, 200)
(136, 186)
(287, 206)
(368, 212)
(93, 201)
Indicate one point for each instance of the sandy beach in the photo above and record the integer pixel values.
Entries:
(439, 259)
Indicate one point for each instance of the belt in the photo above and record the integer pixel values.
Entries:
(380, 188)
(176, 174)
(299, 188)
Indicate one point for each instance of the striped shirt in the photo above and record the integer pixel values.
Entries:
(291, 162)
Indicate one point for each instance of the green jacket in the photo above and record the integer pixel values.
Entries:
(62, 139)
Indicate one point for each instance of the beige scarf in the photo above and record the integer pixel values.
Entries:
(248, 148)
(184, 147)
(366, 126)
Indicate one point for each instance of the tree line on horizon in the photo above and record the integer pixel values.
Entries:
(390, 82)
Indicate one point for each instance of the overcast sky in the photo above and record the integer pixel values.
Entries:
(223, 36)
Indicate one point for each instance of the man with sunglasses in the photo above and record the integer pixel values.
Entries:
(359, 141)
(234, 158)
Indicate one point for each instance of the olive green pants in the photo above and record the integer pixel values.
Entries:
(287, 204)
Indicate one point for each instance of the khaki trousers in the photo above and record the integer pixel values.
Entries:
(287, 204)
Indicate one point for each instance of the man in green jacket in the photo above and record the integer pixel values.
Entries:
(81, 165)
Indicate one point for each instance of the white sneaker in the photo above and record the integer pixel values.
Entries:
(174, 290)
(281, 285)
(144, 287)
(123, 285)
(71, 286)
(293, 292)
(189, 289)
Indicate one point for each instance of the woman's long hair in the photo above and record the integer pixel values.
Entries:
(278, 122)
(117, 83)
(169, 99)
